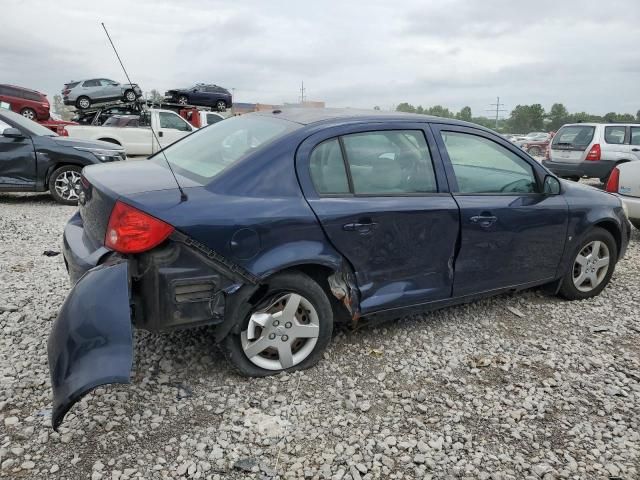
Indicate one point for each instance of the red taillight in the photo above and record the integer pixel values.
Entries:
(614, 181)
(594, 153)
(63, 132)
(133, 231)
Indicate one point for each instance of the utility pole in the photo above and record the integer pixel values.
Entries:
(302, 90)
(497, 110)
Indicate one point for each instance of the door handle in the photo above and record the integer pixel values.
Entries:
(484, 220)
(635, 149)
(359, 227)
(160, 133)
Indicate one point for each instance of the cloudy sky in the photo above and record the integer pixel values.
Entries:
(357, 53)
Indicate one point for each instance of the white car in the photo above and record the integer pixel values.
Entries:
(624, 181)
(168, 126)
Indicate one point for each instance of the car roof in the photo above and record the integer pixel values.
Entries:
(308, 116)
(606, 124)
(21, 88)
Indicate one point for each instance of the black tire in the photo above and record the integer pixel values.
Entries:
(183, 100)
(635, 223)
(29, 113)
(221, 105)
(60, 197)
(129, 96)
(535, 152)
(568, 289)
(83, 102)
(573, 179)
(291, 282)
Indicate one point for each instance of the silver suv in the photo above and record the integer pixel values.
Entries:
(592, 149)
(97, 90)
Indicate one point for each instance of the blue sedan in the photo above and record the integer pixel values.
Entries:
(273, 226)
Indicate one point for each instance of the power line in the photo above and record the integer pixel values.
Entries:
(497, 110)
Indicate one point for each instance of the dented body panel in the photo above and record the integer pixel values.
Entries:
(90, 343)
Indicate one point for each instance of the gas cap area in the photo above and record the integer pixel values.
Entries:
(245, 243)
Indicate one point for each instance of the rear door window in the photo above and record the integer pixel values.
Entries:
(635, 135)
(394, 162)
(31, 96)
(327, 168)
(615, 135)
(91, 83)
(573, 137)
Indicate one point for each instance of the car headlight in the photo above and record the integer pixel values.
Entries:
(103, 154)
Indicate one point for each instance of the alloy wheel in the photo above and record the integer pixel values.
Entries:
(130, 96)
(283, 334)
(591, 266)
(30, 114)
(84, 103)
(67, 185)
(183, 100)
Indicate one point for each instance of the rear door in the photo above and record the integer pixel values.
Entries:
(510, 233)
(17, 161)
(91, 89)
(616, 143)
(381, 196)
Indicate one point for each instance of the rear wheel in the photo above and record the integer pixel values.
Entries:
(83, 102)
(288, 331)
(183, 100)
(130, 96)
(64, 184)
(593, 263)
(221, 105)
(29, 113)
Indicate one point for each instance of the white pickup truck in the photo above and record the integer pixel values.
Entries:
(139, 140)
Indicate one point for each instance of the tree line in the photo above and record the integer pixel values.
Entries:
(523, 118)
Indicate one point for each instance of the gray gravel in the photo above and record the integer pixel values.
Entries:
(522, 386)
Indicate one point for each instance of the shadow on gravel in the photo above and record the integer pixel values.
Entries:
(27, 198)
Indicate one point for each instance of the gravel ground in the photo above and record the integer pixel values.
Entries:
(522, 386)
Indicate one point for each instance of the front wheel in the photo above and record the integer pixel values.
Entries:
(593, 263)
(221, 105)
(64, 184)
(288, 331)
(130, 96)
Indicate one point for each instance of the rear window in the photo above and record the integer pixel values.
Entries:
(209, 151)
(574, 137)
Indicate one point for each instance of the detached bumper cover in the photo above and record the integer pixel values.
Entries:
(90, 343)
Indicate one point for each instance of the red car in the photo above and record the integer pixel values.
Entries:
(28, 103)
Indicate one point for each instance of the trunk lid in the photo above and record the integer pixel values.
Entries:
(103, 185)
(570, 144)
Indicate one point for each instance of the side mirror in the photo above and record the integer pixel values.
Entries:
(195, 90)
(551, 185)
(12, 133)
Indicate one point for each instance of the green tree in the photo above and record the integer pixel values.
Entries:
(154, 96)
(526, 118)
(558, 116)
(638, 116)
(406, 107)
(465, 114)
(439, 111)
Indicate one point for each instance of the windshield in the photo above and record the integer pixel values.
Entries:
(211, 150)
(31, 127)
(574, 136)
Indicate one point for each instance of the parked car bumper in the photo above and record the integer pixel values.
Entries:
(633, 206)
(68, 101)
(599, 169)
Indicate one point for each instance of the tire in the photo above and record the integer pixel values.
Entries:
(29, 113)
(129, 96)
(263, 323)
(67, 175)
(635, 223)
(221, 105)
(571, 289)
(83, 102)
(535, 151)
(183, 100)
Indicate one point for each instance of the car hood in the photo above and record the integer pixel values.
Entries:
(74, 142)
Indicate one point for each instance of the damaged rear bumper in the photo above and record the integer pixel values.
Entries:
(90, 343)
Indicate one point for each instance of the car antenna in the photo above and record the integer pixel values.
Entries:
(183, 195)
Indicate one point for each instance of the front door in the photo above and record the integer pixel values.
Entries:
(511, 233)
(382, 200)
(172, 128)
(17, 161)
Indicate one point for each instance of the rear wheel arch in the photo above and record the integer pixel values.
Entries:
(110, 140)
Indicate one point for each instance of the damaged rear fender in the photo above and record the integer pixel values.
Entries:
(91, 343)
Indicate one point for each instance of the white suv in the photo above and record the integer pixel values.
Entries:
(592, 149)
